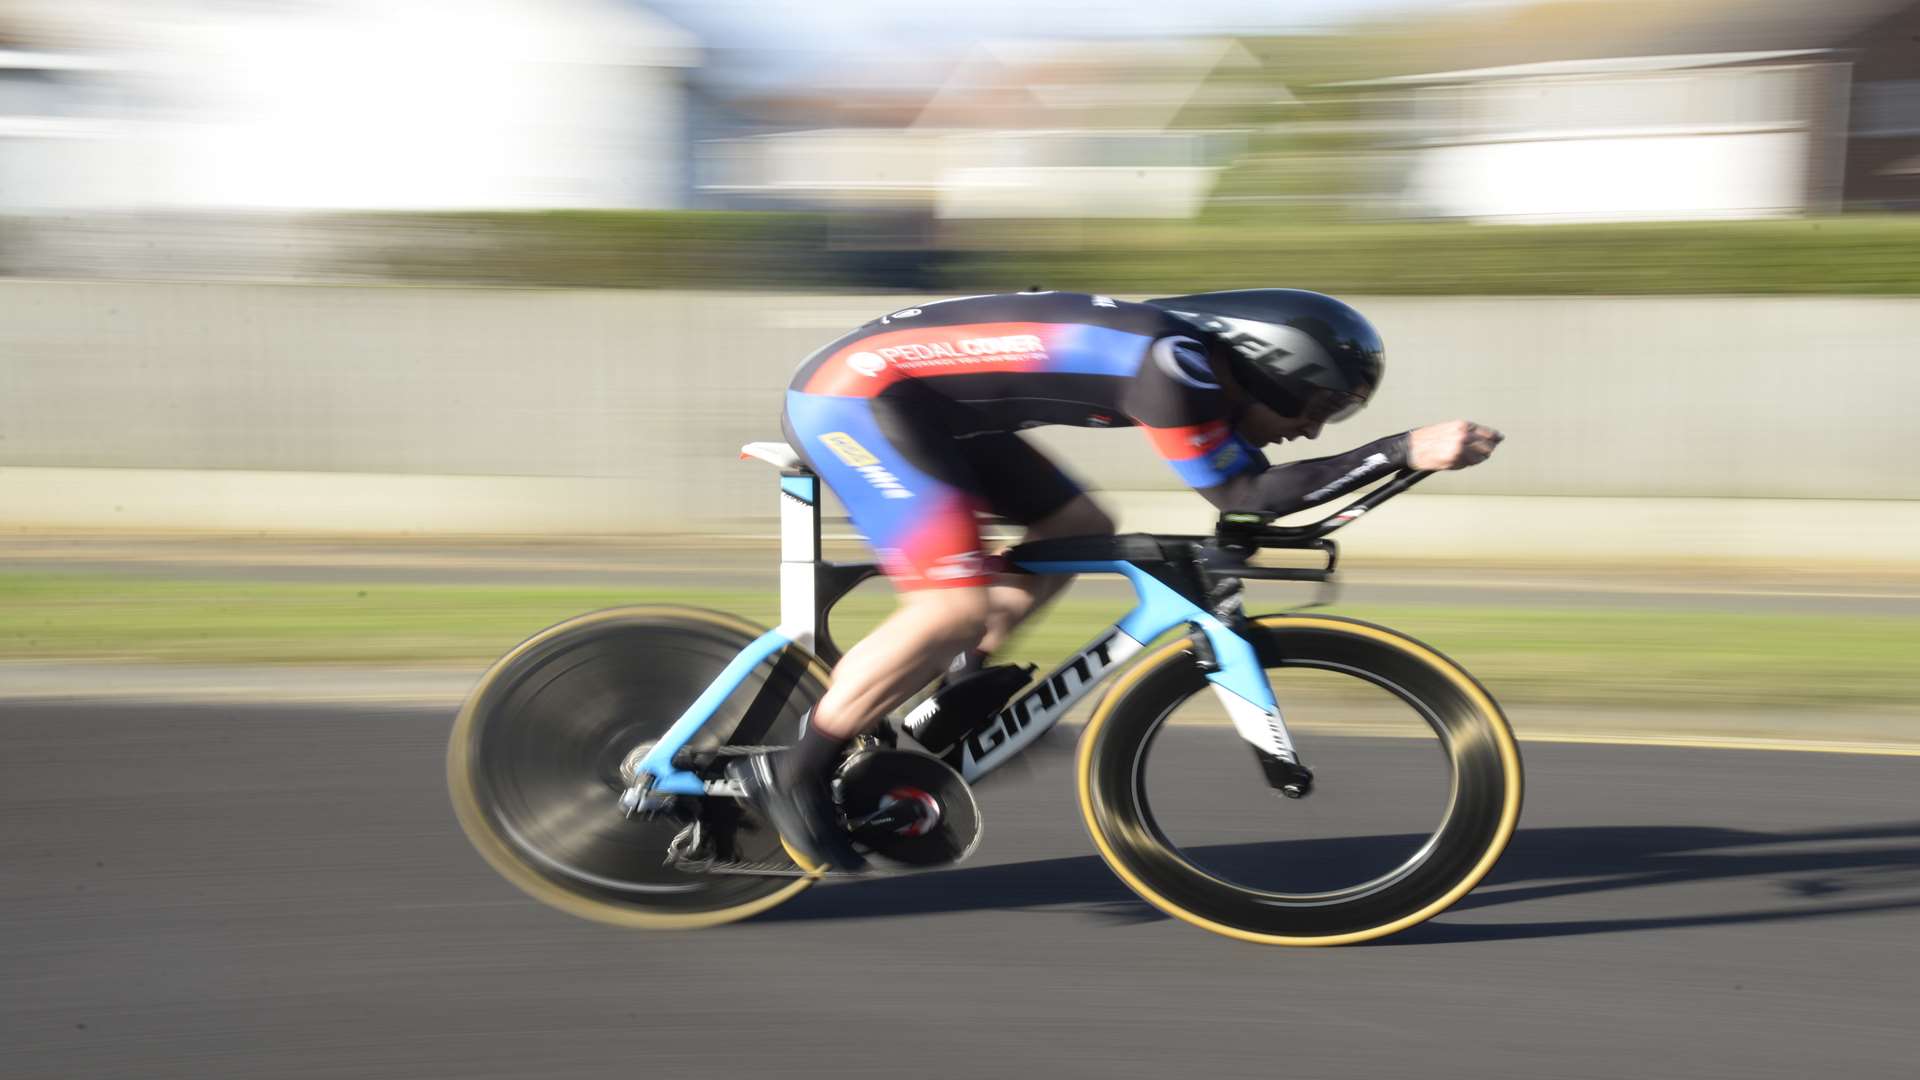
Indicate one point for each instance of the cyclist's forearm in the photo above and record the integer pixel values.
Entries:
(1297, 485)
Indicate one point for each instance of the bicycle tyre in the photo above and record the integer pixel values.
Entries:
(1482, 812)
(532, 763)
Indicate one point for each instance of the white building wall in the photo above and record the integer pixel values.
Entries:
(375, 104)
(1618, 177)
(1667, 145)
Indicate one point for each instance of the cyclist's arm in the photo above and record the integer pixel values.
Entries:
(1177, 401)
(1296, 485)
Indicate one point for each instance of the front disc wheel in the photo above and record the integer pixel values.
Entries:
(1417, 789)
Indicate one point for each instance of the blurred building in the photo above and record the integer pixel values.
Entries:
(1586, 111)
(341, 104)
(56, 116)
(1017, 129)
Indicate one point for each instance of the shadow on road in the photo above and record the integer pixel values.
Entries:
(1812, 875)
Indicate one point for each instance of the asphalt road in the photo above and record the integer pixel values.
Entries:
(283, 892)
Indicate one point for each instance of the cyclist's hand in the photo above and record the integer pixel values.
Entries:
(1455, 444)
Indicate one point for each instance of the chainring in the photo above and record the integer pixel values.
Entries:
(945, 831)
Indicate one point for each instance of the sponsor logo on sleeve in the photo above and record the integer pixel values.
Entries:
(861, 460)
(1228, 456)
(1104, 301)
(1373, 466)
(847, 449)
(887, 484)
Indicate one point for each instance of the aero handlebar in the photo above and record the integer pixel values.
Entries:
(1240, 533)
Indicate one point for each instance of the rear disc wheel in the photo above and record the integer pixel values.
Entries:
(535, 761)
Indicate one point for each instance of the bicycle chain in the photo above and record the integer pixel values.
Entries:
(754, 869)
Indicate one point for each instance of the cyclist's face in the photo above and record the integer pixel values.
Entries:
(1261, 426)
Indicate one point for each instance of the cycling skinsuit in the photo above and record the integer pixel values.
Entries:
(911, 420)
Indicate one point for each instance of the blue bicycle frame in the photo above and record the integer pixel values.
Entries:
(1237, 675)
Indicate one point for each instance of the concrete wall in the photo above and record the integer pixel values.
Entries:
(521, 410)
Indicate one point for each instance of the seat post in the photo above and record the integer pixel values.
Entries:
(799, 554)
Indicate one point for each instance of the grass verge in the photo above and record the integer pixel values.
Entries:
(1227, 247)
(1610, 657)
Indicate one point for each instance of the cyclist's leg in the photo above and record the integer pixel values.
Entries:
(913, 495)
(1024, 485)
(925, 533)
(1013, 598)
(900, 656)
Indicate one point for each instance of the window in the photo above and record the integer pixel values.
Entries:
(1889, 108)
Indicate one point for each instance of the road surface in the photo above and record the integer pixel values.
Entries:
(276, 891)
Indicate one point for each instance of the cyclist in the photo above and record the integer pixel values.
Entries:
(911, 419)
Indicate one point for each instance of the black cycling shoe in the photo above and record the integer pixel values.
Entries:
(963, 704)
(801, 810)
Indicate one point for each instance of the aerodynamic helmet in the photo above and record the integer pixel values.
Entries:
(1302, 354)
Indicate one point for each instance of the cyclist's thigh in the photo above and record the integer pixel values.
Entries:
(907, 487)
(1015, 479)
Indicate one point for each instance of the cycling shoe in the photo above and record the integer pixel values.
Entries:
(800, 808)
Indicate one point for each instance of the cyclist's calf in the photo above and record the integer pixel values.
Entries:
(901, 655)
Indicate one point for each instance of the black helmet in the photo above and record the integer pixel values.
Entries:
(1300, 353)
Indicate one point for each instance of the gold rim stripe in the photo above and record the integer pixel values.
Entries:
(474, 822)
(1509, 754)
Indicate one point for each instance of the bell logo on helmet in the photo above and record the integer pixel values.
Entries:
(1252, 347)
(1297, 352)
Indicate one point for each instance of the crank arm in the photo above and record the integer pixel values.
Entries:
(891, 819)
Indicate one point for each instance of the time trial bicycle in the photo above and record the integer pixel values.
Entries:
(588, 765)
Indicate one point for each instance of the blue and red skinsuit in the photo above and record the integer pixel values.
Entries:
(911, 420)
